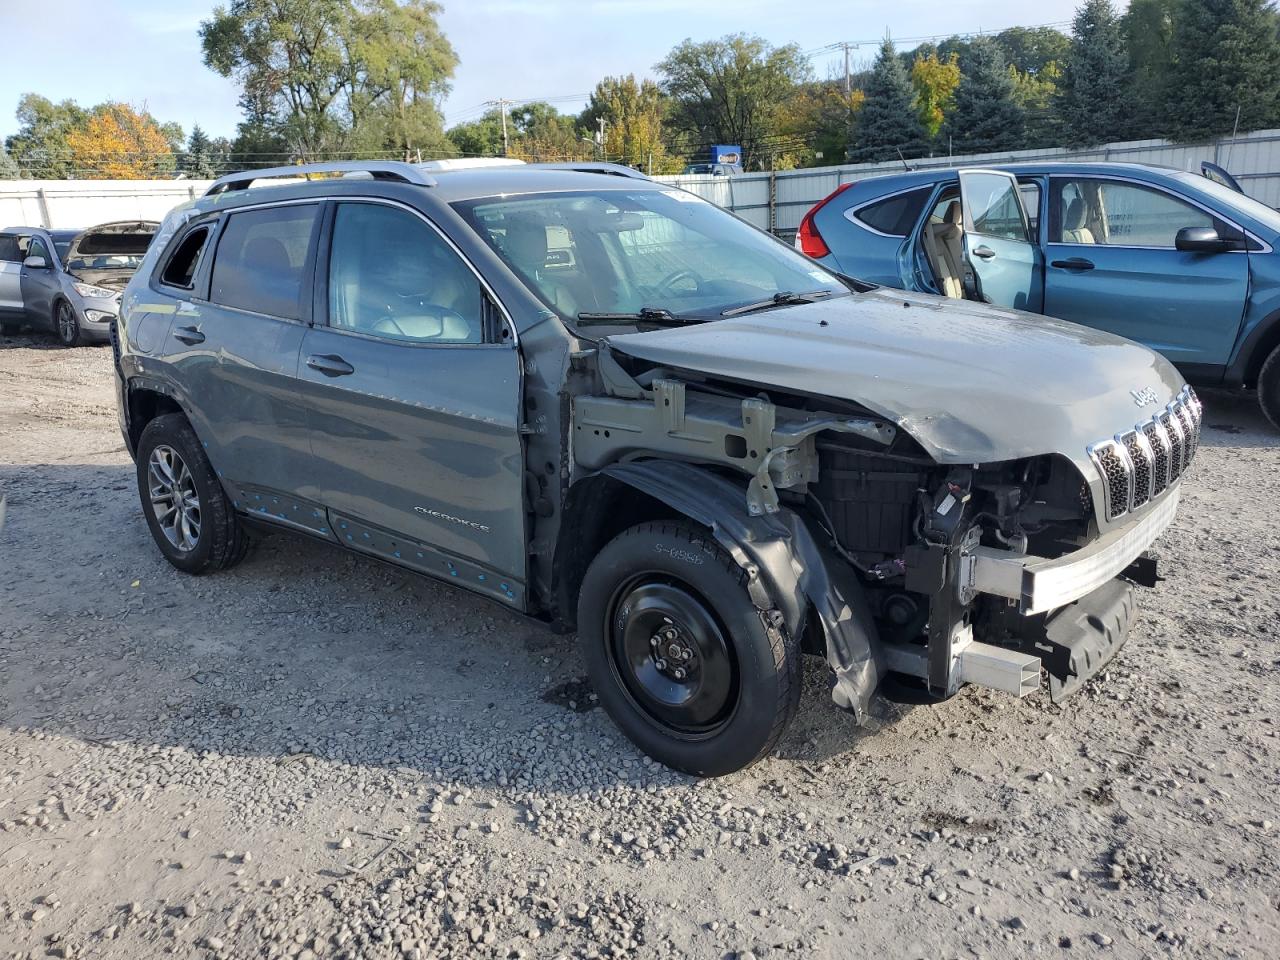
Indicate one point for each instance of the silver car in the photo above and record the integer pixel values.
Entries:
(68, 282)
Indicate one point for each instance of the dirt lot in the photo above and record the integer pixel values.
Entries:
(315, 755)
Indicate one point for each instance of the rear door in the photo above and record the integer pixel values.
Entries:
(11, 257)
(233, 349)
(40, 285)
(1112, 263)
(414, 402)
(998, 245)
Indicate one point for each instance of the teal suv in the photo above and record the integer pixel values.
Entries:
(1183, 263)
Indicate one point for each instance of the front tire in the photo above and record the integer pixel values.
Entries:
(1269, 388)
(191, 519)
(679, 655)
(66, 326)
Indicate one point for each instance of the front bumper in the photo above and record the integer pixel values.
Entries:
(1038, 584)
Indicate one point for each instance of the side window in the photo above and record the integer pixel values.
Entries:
(1030, 191)
(259, 260)
(1103, 212)
(9, 250)
(894, 215)
(37, 248)
(992, 207)
(392, 276)
(180, 271)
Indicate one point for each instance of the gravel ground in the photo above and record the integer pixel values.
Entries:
(315, 755)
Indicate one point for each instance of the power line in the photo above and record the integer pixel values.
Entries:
(840, 44)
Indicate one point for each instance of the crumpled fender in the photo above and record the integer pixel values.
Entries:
(787, 569)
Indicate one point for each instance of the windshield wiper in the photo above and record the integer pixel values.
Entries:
(781, 299)
(644, 314)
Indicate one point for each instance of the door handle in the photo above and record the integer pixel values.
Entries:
(1075, 263)
(330, 365)
(189, 335)
(986, 253)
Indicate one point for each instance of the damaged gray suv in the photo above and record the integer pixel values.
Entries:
(607, 404)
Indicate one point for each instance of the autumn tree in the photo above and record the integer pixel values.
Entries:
(632, 113)
(731, 90)
(118, 142)
(934, 81)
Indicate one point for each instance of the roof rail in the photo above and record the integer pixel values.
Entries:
(595, 166)
(378, 169)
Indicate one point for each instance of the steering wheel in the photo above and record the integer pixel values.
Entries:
(666, 283)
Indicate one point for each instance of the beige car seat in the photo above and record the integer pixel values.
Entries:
(944, 245)
(1073, 223)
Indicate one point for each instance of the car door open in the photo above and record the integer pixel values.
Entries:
(1004, 262)
(414, 407)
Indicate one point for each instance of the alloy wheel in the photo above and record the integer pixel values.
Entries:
(68, 329)
(175, 502)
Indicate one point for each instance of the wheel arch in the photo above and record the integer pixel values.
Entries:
(145, 402)
(787, 570)
(1258, 345)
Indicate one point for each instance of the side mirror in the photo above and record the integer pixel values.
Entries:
(1200, 240)
(36, 263)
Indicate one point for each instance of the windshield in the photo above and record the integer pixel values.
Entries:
(1232, 200)
(623, 252)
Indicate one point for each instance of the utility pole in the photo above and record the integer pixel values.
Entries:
(600, 136)
(502, 105)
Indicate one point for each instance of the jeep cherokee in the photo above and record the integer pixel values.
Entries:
(607, 404)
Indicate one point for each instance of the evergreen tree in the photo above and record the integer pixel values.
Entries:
(8, 166)
(197, 161)
(1093, 98)
(1148, 37)
(887, 122)
(986, 116)
(1225, 57)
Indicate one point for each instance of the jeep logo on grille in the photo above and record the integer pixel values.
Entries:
(1144, 397)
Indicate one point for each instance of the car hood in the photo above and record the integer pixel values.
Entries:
(971, 382)
(122, 237)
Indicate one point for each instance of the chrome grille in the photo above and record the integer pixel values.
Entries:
(1139, 465)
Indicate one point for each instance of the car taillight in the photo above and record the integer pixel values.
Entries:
(808, 239)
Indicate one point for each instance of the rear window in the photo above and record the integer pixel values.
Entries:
(9, 249)
(260, 259)
(894, 215)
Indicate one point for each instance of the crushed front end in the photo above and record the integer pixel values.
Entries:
(1000, 574)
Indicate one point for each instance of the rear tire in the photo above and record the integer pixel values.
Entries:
(1269, 388)
(683, 661)
(191, 519)
(66, 326)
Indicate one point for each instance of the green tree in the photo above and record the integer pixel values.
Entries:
(887, 124)
(731, 90)
(9, 169)
(935, 83)
(331, 77)
(986, 116)
(40, 145)
(478, 138)
(1093, 99)
(1037, 95)
(1148, 37)
(1032, 50)
(197, 160)
(1225, 58)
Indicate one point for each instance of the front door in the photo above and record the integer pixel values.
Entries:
(1112, 264)
(40, 285)
(998, 246)
(414, 403)
(235, 355)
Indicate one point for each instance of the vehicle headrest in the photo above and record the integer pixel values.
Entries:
(526, 243)
(1076, 215)
(266, 254)
(953, 215)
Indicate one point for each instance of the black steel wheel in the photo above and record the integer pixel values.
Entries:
(679, 655)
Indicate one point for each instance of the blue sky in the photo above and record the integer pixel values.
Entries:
(147, 52)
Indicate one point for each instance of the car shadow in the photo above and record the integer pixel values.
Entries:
(302, 650)
(1232, 418)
